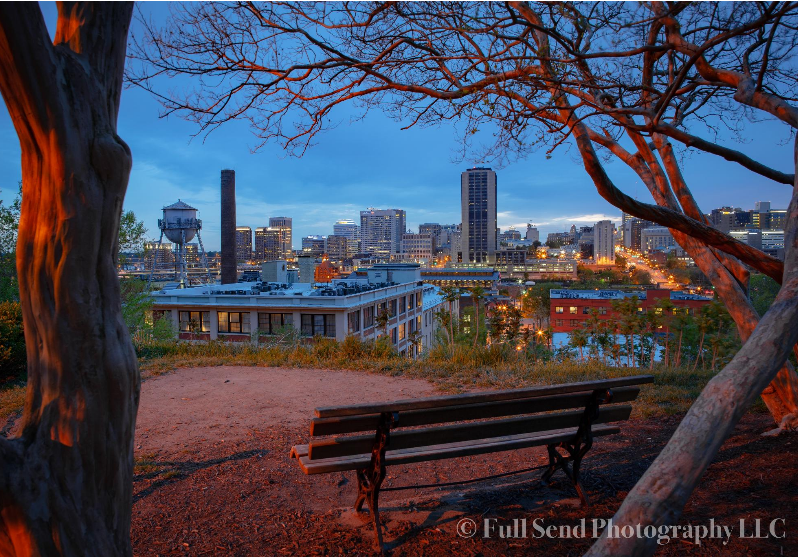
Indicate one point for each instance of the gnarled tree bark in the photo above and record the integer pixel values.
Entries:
(66, 482)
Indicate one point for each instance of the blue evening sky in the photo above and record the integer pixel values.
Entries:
(372, 163)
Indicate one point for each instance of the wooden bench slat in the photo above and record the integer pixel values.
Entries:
(428, 416)
(472, 398)
(444, 451)
(405, 439)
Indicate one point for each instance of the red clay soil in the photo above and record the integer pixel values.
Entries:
(215, 478)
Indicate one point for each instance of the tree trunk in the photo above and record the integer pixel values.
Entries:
(66, 484)
(660, 495)
(476, 323)
(653, 350)
(700, 353)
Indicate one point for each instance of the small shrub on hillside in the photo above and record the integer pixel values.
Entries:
(13, 357)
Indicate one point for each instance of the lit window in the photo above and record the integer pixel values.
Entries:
(233, 322)
(558, 309)
(195, 321)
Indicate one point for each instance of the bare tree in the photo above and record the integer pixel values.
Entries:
(542, 74)
(66, 482)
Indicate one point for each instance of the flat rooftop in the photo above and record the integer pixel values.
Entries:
(618, 294)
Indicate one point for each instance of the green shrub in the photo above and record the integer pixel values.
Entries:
(13, 358)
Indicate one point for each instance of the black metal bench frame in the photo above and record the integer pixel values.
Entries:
(369, 480)
(568, 436)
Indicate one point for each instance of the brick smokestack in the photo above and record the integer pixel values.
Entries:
(229, 274)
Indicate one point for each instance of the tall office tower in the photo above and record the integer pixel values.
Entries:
(268, 244)
(351, 231)
(762, 206)
(243, 244)
(478, 208)
(381, 231)
(632, 230)
(432, 228)
(314, 245)
(229, 274)
(285, 226)
(336, 247)
(604, 242)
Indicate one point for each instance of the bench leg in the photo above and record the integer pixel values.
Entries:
(556, 460)
(368, 486)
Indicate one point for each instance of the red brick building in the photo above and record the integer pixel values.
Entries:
(570, 308)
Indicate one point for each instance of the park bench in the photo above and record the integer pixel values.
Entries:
(565, 418)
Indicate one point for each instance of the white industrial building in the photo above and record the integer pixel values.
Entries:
(249, 312)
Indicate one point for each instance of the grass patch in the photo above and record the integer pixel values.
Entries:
(464, 368)
(12, 399)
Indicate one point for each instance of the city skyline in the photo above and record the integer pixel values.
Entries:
(372, 163)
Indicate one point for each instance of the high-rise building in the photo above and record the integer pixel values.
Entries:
(632, 231)
(604, 242)
(337, 247)
(656, 238)
(419, 248)
(511, 235)
(268, 246)
(381, 231)
(478, 209)
(163, 258)
(192, 255)
(778, 219)
(243, 244)
(351, 231)
(228, 204)
(435, 229)
(284, 225)
(314, 245)
(532, 233)
(762, 206)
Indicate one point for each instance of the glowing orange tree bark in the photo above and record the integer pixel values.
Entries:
(66, 482)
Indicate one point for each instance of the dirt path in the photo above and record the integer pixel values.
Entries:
(214, 478)
(227, 403)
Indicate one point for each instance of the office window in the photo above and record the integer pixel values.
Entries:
(195, 321)
(233, 322)
(558, 322)
(270, 323)
(558, 309)
(393, 335)
(574, 322)
(602, 310)
(402, 331)
(368, 317)
(403, 304)
(572, 310)
(318, 325)
(354, 321)
(392, 308)
(418, 300)
(586, 310)
(411, 303)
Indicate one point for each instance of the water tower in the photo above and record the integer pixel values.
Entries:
(180, 224)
